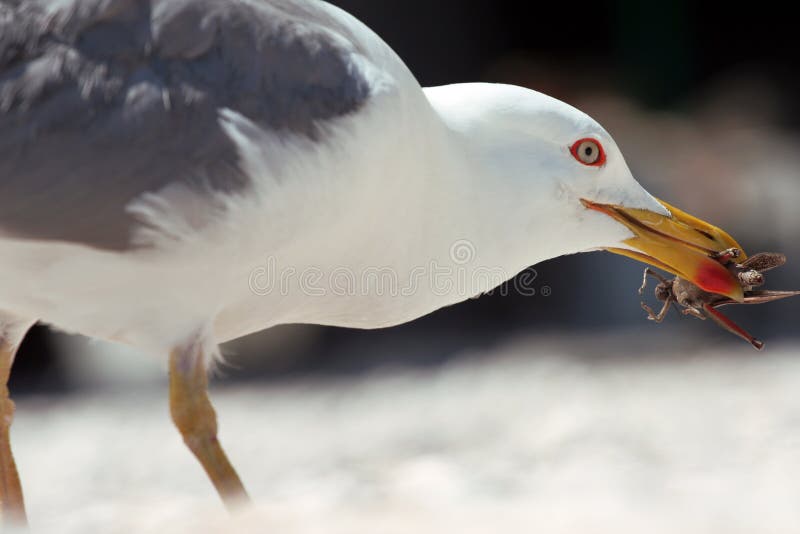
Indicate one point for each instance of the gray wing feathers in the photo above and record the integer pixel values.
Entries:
(102, 101)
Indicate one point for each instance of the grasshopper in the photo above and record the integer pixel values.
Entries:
(702, 304)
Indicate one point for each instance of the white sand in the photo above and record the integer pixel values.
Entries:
(531, 440)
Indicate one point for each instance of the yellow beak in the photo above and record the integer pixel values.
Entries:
(680, 244)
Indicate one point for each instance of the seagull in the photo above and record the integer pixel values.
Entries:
(175, 174)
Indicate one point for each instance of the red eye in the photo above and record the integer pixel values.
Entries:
(589, 152)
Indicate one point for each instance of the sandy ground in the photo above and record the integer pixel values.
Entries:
(534, 439)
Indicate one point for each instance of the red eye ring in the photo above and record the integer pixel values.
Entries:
(588, 151)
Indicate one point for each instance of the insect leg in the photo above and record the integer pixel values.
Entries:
(694, 312)
(652, 273)
(658, 317)
(727, 255)
(731, 327)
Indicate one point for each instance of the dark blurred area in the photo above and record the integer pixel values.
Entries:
(701, 98)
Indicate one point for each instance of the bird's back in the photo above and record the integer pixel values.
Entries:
(104, 101)
(127, 133)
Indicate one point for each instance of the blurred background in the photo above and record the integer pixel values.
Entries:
(567, 405)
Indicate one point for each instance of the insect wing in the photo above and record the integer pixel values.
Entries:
(758, 296)
(764, 261)
(762, 296)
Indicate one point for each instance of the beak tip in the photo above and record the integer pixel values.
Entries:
(712, 276)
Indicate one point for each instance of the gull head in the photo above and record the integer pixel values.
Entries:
(562, 186)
